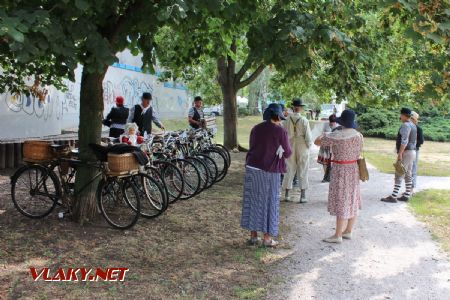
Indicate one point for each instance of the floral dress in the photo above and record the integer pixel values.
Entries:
(344, 198)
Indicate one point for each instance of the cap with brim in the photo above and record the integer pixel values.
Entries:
(147, 96)
(347, 119)
(406, 111)
(273, 109)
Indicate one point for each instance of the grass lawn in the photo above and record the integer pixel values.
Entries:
(434, 156)
(196, 250)
(245, 125)
(433, 207)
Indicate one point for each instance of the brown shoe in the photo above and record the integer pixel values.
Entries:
(389, 199)
(403, 198)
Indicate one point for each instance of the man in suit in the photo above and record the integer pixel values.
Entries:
(144, 115)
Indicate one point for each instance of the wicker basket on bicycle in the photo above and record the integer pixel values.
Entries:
(37, 151)
(122, 164)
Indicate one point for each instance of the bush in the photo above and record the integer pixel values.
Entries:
(243, 112)
(385, 124)
(377, 118)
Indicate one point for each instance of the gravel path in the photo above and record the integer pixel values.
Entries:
(392, 255)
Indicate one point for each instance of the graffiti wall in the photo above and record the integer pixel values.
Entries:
(24, 116)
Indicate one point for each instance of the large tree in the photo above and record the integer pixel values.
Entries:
(244, 37)
(48, 38)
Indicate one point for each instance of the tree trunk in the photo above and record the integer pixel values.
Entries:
(254, 93)
(230, 116)
(90, 127)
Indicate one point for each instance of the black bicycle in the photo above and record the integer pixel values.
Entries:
(37, 188)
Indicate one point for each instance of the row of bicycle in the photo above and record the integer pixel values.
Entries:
(176, 166)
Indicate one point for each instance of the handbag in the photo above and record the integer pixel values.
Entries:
(363, 171)
(362, 166)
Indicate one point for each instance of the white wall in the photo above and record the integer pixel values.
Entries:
(24, 117)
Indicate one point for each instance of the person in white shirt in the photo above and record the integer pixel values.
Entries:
(144, 115)
(300, 138)
(196, 115)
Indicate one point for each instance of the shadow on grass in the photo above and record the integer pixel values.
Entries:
(195, 250)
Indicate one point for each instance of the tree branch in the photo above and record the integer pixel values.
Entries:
(247, 64)
(117, 23)
(251, 78)
(231, 61)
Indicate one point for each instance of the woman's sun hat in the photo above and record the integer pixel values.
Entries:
(273, 109)
(347, 119)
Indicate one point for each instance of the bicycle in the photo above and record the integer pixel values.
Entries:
(38, 187)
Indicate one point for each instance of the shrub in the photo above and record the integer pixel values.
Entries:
(384, 124)
(243, 112)
(377, 118)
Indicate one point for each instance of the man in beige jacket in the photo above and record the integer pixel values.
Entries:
(300, 137)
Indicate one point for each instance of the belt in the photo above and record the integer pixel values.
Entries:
(118, 126)
(344, 162)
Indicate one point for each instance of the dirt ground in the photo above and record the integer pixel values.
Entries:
(195, 250)
(391, 256)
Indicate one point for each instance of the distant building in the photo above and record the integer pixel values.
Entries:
(25, 116)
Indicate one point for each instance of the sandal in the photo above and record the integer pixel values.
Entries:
(270, 243)
(253, 241)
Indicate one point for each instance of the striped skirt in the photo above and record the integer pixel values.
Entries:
(261, 201)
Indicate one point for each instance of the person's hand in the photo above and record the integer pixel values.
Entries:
(400, 156)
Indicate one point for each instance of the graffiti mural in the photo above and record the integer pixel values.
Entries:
(29, 117)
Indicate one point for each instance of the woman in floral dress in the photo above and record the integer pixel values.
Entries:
(344, 199)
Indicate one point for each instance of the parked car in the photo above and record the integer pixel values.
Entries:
(213, 110)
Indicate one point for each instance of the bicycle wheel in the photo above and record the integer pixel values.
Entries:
(155, 173)
(224, 151)
(191, 178)
(118, 210)
(220, 161)
(172, 178)
(204, 171)
(152, 197)
(35, 191)
(212, 167)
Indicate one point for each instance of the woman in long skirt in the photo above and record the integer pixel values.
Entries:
(344, 197)
(269, 147)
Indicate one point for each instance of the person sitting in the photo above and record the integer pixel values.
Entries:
(130, 136)
(117, 118)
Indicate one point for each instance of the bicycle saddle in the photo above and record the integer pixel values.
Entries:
(59, 147)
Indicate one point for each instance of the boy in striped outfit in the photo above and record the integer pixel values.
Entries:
(406, 153)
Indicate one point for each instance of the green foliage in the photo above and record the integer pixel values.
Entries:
(243, 112)
(385, 123)
(374, 119)
(48, 38)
